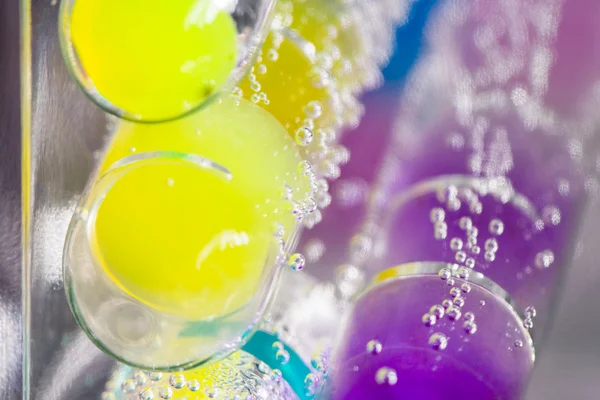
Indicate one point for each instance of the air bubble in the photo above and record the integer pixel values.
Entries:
(455, 292)
(444, 274)
(465, 287)
(193, 385)
(491, 245)
(528, 323)
(310, 384)
(465, 223)
(530, 311)
(272, 55)
(429, 319)
(349, 279)
(459, 302)
(470, 262)
(544, 259)
(277, 346)
(476, 208)
(177, 381)
(360, 247)
(282, 357)
(437, 215)
(313, 110)
(518, 343)
(447, 304)
(438, 341)
(475, 250)
(469, 316)
(386, 376)
(437, 310)
(490, 256)
(319, 78)
(461, 256)
(374, 347)
(140, 378)
(496, 227)
(473, 232)
(323, 199)
(304, 136)
(450, 282)
(255, 86)
(453, 204)
(463, 273)
(146, 394)
(296, 262)
(470, 327)
(128, 386)
(155, 376)
(454, 313)
(456, 244)
(551, 215)
(165, 392)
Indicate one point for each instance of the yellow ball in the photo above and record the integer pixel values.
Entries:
(154, 59)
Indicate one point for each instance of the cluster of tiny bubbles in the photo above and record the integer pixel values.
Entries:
(544, 259)
(438, 341)
(311, 383)
(530, 314)
(551, 215)
(386, 376)
(374, 347)
(297, 262)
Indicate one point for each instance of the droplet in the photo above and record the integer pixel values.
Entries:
(193, 385)
(491, 245)
(465, 223)
(313, 109)
(470, 327)
(456, 244)
(429, 319)
(296, 262)
(438, 341)
(374, 347)
(469, 316)
(437, 310)
(454, 313)
(304, 136)
(496, 227)
(386, 376)
(544, 259)
(177, 381)
(437, 215)
(444, 274)
(282, 357)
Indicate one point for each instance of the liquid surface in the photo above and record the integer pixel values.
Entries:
(183, 238)
(154, 59)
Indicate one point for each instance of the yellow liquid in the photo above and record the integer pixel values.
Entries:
(286, 77)
(182, 237)
(154, 59)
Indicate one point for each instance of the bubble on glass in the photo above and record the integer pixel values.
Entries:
(282, 357)
(438, 341)
(146, 394)
(349, 279)
(177, 381)
(454, 313)
(296, 262)
(429, 319)
(456, 244)
(374, 347)
(304, 136)
(496, 227)
(458, 302)
(518, 343)
(155, 376)
(437, 310)
(470, 262)
(475, 250)
(460, 256)
(470, 327)
(463, 273)
(469, 316)
(551, 215)
(165, 392)
(544, 259)
(386, 376)
(528, 323)
(313, 110)
(490, 256)
(465, 287)
(437, 215)
(193, 385)
(447, 303)
(444, 274)
(491, 244)
(530, 311)
(128, 386)
(450, 282)
(360, 247)
(465, 223)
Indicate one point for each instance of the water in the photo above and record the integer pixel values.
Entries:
(447, 359)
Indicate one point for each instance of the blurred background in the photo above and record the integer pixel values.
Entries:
(568, 367)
